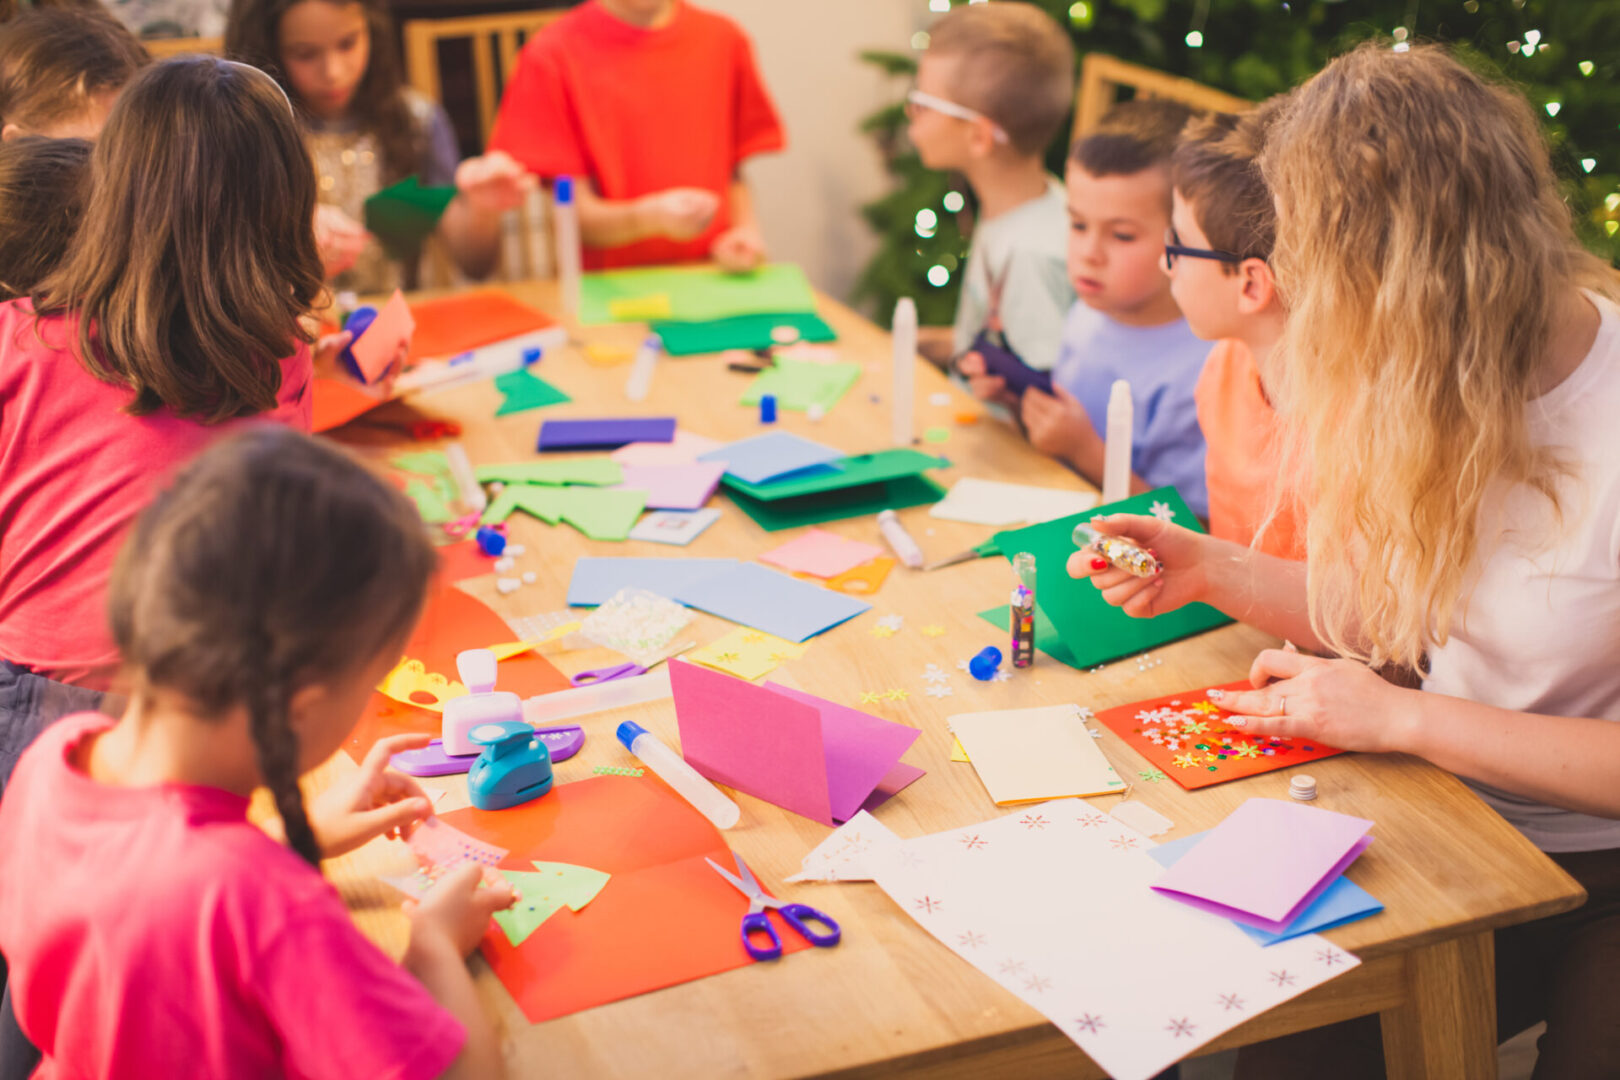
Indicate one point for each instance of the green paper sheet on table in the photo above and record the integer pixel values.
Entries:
(432, 487)
(597, 512)
(599, 471)
(697, 293)
(774, 515)
(520, 391)
(1095, 631)
(846, 472)
(799, 384)
(403, 215)
(739, 332)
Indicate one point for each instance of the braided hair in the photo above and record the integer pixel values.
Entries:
(273, 562)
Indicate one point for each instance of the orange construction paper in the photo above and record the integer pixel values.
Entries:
(454, 324)
(664, 918)
(452, 622)
(335, 403)
(860, 581)
(1186, 737)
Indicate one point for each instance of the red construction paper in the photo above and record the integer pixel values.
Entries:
(454, 324)
(462, 560)
(453, 621)
(336, 402)
(1160, 731)
(664, 918)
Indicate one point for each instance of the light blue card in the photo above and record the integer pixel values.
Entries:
(772, 456)
(750, 594)
(1341, 902)
(595, 580)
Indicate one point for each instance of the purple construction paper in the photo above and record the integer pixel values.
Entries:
(674, 487)
(860, 749)
(605, 434)
(899, 777)
(1273, 926)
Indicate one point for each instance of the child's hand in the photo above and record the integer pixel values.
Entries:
(1058, 425)
(376, 801)
(680, 213)
(457, 910)
(327, 363)
(985, 387)
(739, 249)
(493, 183)
(1184, 580)
(339, 238)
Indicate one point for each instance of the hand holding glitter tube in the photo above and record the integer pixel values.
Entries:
(1118, 551)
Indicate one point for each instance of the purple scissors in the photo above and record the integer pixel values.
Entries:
(756, 921)
(627, 670)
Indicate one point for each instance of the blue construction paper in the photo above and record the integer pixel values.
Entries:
(596, 579)
(773, 455)
(775, 603)
(605, 434)
(1341, 902)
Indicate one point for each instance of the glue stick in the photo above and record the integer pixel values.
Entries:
(565, 227)
(904, 391)
(673, 770)
(642, 367)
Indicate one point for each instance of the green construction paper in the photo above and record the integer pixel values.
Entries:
(433, 507)
(599, 471)
(532, 909)
(431, 487)
(738, 332)
(937, 434)
(403, 215)
(698, 293)
(576, 886)
(799, 384)
(776, 515)
(522, 391)
(1046, 636)
(1094, 630)
(856, 470)
(597, 512)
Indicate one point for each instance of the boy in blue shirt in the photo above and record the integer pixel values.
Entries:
(1126, 324)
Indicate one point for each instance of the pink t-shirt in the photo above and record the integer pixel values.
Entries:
(75, 470)
(154, 931)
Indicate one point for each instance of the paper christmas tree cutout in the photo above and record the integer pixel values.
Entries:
(550, 888)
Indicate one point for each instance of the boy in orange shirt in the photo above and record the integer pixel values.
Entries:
(652, 106)
(1222, 225)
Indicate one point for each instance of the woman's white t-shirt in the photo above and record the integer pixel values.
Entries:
(1541, 632)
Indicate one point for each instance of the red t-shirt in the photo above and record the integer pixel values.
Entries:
(1243, 458)
(638, 111)
(154, 931)
(74, 471)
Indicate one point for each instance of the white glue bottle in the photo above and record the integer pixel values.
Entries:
(1117, 443)
(673, 770)
(565, 229)
(904, 391)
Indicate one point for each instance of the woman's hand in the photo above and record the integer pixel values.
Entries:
(1182, 552)
(1342, 703)
(376, 801)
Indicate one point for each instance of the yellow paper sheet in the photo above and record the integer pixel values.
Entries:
(1027, 754)
(747, 654)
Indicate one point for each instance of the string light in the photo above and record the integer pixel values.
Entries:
(1471, 6)
(1611, 201)
(1588, 163)
(938, 276)
(953, 202)
(1195, 40)
(927, 222)
(939, 5)
(1587, 67)
(1553, 107)
(1080, 14)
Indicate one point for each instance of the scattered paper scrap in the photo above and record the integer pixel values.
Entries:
(410, 683)
(522, 390)
(1142, 817)
(843, 855)
(678, 527)
(747, 654)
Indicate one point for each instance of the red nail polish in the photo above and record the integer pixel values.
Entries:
(1099, 563)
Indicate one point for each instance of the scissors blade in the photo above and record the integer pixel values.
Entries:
(753, 889)
(733, 878)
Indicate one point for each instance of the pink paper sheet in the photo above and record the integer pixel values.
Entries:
(674, 487)
(684, 449)
(392, 328)
(805, 754)
(1266, 862)
(821, 554)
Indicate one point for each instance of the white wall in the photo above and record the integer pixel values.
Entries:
(809, 196)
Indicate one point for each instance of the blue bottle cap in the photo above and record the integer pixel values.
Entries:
(628, 732)
(563, 189)
(767, 408)
(532, 355)
(984, 665)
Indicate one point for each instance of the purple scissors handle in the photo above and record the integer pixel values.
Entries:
(626, 670)
(757, 921)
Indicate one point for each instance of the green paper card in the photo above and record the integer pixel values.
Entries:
(597, 512)
(599, 471)
(1046, 636)
(799, 384)
(522, 391)
(695, 293)
(403, 215)
(739, 332)
(776, 515)
(855, 471)
(1095, 631)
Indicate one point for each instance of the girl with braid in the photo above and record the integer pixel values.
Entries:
(152, 930)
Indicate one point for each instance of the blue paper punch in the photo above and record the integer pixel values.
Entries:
(514, 767)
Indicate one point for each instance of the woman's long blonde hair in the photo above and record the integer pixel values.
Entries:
(1423, 253)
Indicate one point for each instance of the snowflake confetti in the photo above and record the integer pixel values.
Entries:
(893, 622)
(939, 690)
(1162, 511)
(933, 673)
(1093, 732)
(933, 631)
(897, 694)
(1152, 776)
(881, 631)
(1001, 675)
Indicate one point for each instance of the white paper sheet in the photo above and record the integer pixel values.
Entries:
(992, 502)
(848, 850)
(1053, 902)
(1025, 755)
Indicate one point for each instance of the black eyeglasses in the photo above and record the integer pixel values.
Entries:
(1174, 249)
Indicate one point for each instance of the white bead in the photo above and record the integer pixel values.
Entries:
(515, 549)
(529, 577)
(502, 565)
(507, 585)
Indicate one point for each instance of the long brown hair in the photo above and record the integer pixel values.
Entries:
(273, 562)
(253, 36)
(42, 193)
(197, 252)
(54, 60)
(1423, 253)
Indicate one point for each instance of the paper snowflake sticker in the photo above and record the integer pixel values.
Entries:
(1162, 511)
(893, 622)
(939, 690)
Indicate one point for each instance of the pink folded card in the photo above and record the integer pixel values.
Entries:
(803, 753)
(1266, 862)
(380, 342)
(674, 487)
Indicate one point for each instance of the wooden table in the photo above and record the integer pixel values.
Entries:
(890, 1001)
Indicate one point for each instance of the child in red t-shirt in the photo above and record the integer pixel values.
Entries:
(652, 106)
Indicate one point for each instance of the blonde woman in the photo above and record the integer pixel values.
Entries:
(1450, 379)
